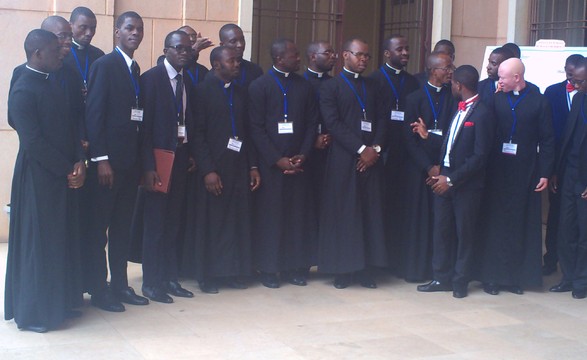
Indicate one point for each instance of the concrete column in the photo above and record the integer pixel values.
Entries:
(441, 20)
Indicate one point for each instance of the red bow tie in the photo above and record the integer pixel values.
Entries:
(570, 87)
(462, 106)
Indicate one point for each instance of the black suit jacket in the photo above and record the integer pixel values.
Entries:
(111, 96)
(579, 106)
(160, 117)
(471, 147)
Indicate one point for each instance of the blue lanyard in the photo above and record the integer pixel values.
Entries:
(395, 92)
(361, 102)
(79, 66)
(434, 112)
(231, 106)
(456, 128)
(513, 107)
(284, 91)
(194, 79)
(134, 81)
(569, 103)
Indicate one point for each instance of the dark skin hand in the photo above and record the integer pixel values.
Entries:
(192, 166)
(291, 166)
(584, 194)
(105, 174)
(433, 175)
(213, 183)
(202, 43)
(418, 127)
(367, 159)
(76, 179)
(322, 141)
(255, 179)
(441, 185)
(151, 179)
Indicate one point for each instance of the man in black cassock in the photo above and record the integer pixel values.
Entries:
(231, 35)
(196, 71)
(227, 174)
(351, 233)
(283, 116)
(43, 277)
(487, 87)
(396, 84)
(432, 105)
(519, 167)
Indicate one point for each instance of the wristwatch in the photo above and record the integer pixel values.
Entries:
(448, 182)
(377, 148)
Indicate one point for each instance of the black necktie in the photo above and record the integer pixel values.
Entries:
(135, 69)
(179, 98)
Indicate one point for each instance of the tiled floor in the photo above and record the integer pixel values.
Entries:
(318, 322)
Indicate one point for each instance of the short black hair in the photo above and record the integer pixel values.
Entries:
(346, 46)
(278, 47)
(515, 49)
(37, 39)
(582, 64)
(387, 41)
(468, 76)
(445, 42)
(81, 11)
(313, 47)
(226, 28)
(216, 53)
(125, 15)
(504, 52)
(432, 60)
(167, 41)
(574, 60)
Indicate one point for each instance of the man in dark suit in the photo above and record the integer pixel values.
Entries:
(572, 165)
(167, 125)
(487, 87)
(113, 119)
(560, 96)
(459, 186)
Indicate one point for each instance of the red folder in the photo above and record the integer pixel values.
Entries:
(163, 166)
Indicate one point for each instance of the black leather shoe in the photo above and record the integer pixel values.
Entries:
(106, 301)
(433, 286)
(128, 296)
(156, 294)
(459, 291)
(548, 269)
(174, 288)
(563, 286)
(235, 283)
(342, 281)
(515, 289)
(491, 288)
(270, 280)
(34, 328)
(368, 282)
(579, 293)
(208, 287)
(296, 278)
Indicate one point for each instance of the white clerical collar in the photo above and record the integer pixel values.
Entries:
(438, 89)
(38, 71)
(227, 85)
(516, 92)
(171, 72)
(356, 75)
(127, 59)
(318, 73)
(394, 69)
(286, 74)
(79, 46)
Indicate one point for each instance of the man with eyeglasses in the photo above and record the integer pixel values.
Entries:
(560, 96)
(167, 125)
(443, 46)
(395, 83)
(572, 162)
(351, 231)
(431, 105)
(519, 166)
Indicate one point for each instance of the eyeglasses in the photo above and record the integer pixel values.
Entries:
(447, 69)
(180, 48)
(365, 56)
(577, 82)
(328, 53)
(64, 36)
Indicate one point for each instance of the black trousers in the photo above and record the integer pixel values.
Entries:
(163, 222)
(110, 218)
(572, 236)
(550, 241)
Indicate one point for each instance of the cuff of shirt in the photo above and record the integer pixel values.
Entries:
(361, 149)
(100, 158)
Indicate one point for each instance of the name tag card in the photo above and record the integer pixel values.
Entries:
(181, 131)
(285, 127)
(136, 114)
(509, 149)
(436, 132)
(365, 126)
(319, 128)
(234, 145)
(397, 115)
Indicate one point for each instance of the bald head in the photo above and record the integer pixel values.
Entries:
(511, 75)
(436, 59)
(53, 23)
(62, 29)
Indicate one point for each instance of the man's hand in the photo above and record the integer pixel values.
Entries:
(151, 179)
(201, 43)
(76, 179)
(255, 179)
(213, 183)
(297, 160)
(322, 141)
(584, 194)
(367, 159)
(291, 166)
(440, 185)
(419, 127)
(105, 174)
(433, 172)
(553, 184)
(192, 165)
(542, 185)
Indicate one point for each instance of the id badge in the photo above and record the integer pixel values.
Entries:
(436, 132)
(365, 126)
(509, 148)
(397, 115)
(136, 114)
(319, 128)
(285, 127)
(181, 131)
(234, 145)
